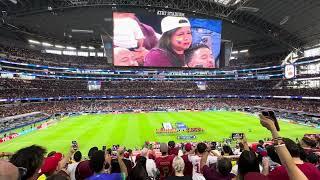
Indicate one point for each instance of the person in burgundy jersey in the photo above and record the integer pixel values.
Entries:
(172, 148)
(308, 169)
(220, 170)
(308, 146)
(188, 165)
(164, 162)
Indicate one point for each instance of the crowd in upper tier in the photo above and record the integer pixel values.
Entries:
(17, 88)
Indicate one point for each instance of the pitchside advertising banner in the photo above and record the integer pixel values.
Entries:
(165, 39)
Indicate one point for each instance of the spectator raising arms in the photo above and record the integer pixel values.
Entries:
(98, 163)
(292, 167)
(195, 158)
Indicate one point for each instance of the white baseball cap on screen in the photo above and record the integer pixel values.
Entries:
(171, 22)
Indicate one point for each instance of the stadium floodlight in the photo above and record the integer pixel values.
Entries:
(89, 31)
(91, 47)
(248, 9)
(59, 46)
(234, 52)
(33, 41)
(244, 51)
(100, 54)
(53, 51)
(284, 20)
(47, 44)
(227, 2)
(71, 48)
(14, 1)
(83, 47)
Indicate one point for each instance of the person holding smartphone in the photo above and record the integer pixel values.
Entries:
(98, 162)
(71, 169)
(292, 167)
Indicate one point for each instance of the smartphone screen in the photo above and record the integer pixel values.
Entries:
(271, 115)
(114, 154)
(237, 136)
(74, 145)
(274, 118)
(213, 145)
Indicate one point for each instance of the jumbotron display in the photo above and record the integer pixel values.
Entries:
(153, 39)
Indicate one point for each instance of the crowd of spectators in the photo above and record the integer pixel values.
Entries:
(280, 158)
(33, 56)
(37, 57)
(153, 104)
(20, 121)
(17, 88)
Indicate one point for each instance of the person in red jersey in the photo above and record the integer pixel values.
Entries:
(172, 148)
(164, 162)
(220, 170)
(308, 145)
(188, 165)
(292, 167)
(309, 170)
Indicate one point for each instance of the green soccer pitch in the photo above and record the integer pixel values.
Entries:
(133, 129)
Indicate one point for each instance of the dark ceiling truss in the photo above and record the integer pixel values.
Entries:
(203, 7)
(259, 25)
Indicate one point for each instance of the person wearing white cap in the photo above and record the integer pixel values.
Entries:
(176, 38)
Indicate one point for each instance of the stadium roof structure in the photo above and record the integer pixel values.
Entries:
(285, 24)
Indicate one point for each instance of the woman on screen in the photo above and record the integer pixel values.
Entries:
(199, 56)
(176, 38)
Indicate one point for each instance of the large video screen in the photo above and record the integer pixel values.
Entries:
(153, 39)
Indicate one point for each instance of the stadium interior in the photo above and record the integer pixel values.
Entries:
(92, 89)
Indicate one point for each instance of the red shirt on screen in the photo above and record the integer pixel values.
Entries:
(159, 58)
(280, 173)
(164, 164)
